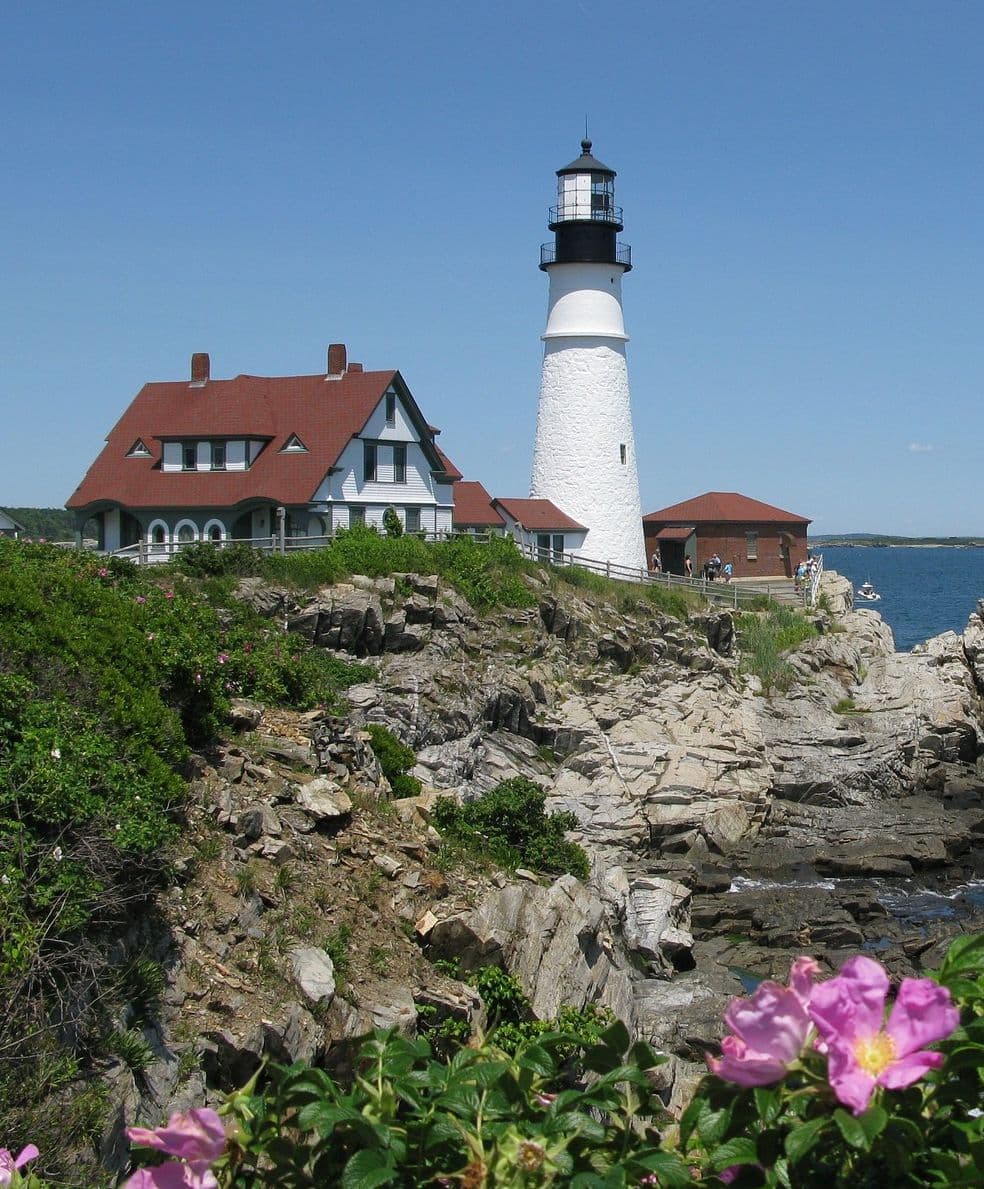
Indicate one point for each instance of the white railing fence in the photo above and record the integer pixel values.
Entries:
(719, 592)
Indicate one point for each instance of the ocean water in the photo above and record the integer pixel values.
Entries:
(925, 591)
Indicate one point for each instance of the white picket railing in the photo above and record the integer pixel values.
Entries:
(720, 592)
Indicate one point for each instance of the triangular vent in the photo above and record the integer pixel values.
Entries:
(138, 450)
(293, 445)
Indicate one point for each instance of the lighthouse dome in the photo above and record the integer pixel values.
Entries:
(586, 163)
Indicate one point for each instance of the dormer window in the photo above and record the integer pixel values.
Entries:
(293, 445)
(189, 457)
(218, 456)
(138, 450)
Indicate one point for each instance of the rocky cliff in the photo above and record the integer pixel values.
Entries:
(727, 829)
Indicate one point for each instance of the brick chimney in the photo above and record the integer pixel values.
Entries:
(200, 367)
(337, 361)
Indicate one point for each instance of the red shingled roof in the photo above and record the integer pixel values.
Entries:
(675, 534)
(724, 507)
(473, 507)
(538, 515)
(324, 414)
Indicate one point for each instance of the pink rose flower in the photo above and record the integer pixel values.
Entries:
(863, 1051)
(173, 1175)
(10, 1164)
(768, 1030)
(195, 1135)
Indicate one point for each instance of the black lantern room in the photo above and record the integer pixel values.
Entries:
(585, 220)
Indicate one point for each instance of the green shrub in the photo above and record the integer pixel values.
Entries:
(509, 824)
(483, 1118)
(763, 639)
(392, 524)
(395, 759)
(205, 560)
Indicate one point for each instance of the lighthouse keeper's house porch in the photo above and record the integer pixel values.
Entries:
(249, 457)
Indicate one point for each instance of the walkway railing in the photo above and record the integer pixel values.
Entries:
(721, 593)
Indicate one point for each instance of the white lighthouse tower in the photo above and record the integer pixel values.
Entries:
(584, 460)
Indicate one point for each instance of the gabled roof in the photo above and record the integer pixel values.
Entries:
(473, 506)
(538, 515)
(725, 507)
(324, 414)
(8, 522)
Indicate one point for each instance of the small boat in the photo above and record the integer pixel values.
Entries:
(867, 593)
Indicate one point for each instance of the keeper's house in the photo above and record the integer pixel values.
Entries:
(9, 527)
(218, 460)
(759, 540)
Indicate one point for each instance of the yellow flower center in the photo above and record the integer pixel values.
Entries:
(874, 1053)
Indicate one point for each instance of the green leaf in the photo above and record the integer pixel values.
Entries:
(324, 1117)
(739, 1150)
(670, 1168)
(873, 1121)
(616, 1036)
(536, 1059)
(852, 1131)
(803, 1138)
(367, 1169)
(712, 1125)
(966, 953)
(767, 1103)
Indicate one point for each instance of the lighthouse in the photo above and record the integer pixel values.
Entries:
(584, 460)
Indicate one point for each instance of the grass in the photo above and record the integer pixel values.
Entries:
(626, 596)
(765, 637)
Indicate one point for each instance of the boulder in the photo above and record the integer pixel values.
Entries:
(313, 973)
(324, 800)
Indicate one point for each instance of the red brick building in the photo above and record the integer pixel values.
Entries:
(758, 539)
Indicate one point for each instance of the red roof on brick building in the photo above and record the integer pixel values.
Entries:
(539, 515)
(473, 506)
(324, 414)
(724, 507)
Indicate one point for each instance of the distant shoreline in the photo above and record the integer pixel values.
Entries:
(896, 543)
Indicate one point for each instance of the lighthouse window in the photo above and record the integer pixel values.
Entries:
(602, 191)
(621, 451)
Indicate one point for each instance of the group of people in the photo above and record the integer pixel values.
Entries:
(804, 572)
(714, 569)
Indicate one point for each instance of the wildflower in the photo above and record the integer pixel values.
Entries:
(545, 1099)
(103, 572)
(56, 753)
(864, 1051)
(173, 1175)
(140, 599)
(57, 854)
(151, 635)
(248, 646)
(5, 880)
(768, 1030)
(196, 1138)
(169, 594)
(10, 1164)
(222, 657)
(197, 1134)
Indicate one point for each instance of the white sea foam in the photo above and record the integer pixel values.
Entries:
(741, 883)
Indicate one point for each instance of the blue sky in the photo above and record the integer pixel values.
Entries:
(802, 189)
